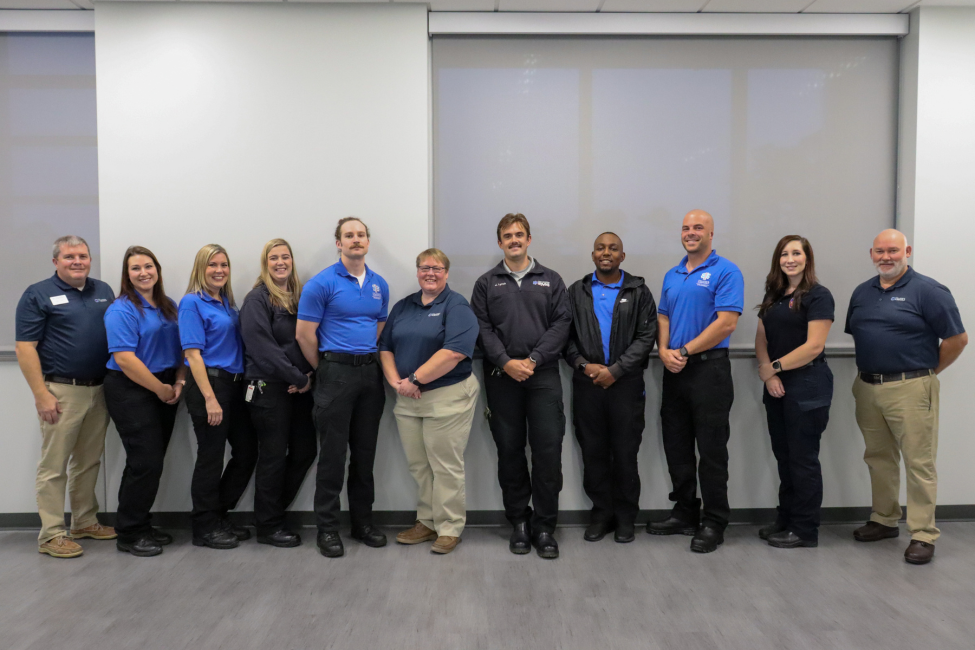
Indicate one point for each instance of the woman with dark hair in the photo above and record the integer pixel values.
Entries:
(143, 385)
(793, 322)
(279, 384)
(209, 331)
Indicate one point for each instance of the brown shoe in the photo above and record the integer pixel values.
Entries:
(419, 533)
(874, 532)
(95, 531)
(918, 552)
(445, 544)
(61, 546)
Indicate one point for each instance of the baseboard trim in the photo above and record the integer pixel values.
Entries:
(396, 518)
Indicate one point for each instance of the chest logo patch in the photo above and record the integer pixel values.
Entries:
(542, 283)
(432, 315)
(705, 280)
(101, 299)
(500, 284)
(376, 293)
(622, 299)
(898, 299)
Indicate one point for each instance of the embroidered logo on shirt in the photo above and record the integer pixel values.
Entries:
(896, 299)
(432, 315)
(792, 302)
(622, 299)
(541, 283)
(705, 280)
(101, 299)
(500, 284)
(376, 293)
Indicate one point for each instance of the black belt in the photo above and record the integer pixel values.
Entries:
(166, 376)
(719, 353)
(223, 374)
(349, 359)
(883, 378)
(54, 379)
(814, 362)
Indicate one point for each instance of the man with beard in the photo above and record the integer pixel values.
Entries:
(614, 326)
(907, 329)
(523, 314)
(341, 314)
(700, 303)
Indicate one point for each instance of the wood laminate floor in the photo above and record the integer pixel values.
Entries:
(650, 594)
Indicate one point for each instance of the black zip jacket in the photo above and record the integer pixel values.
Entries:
(634, 328)
(271, 352)
(518, 322)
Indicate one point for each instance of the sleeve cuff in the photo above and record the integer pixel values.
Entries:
(616, 371)
(502, 360)
(577, 361)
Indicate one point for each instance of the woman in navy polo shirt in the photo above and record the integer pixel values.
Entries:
(281, 402)
(209, 333)
(143, 385)
(426, 349)
(794, 320)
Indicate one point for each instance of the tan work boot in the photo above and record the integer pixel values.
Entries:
(445, 544)
(60, 546)
(95, 531)
(419, 533)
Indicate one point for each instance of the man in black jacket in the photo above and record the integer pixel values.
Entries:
(523, 313)
(614, 327)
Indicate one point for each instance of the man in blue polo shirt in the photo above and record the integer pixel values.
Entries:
(62, 349)
(701, 300)
(907, 329)
(340, 317)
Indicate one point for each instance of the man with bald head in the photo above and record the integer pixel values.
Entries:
(614, 324)
(907, 329)
(700, 303)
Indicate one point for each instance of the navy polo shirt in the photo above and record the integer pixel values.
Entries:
(899, 329)
(67, 324)
(603, 302)
(212, 327)
(692, 300)
(415, 332)
(347, 314)
(153, 337)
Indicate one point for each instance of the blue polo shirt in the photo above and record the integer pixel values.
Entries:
(153, 337)
(692, 300)
(603, 302)
(900, 328)
(347, 315)
(68, 325)
(415, 332)
(213, 327)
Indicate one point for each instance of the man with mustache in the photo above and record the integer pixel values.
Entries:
(701, 300)
(62, 348)
(523, 315)
(907, 329)
(614, 327)
(341, 314)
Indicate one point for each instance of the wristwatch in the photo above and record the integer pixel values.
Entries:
(582, 367)
(683, 351)
(533, 359)
(777, 366)
(414, 380)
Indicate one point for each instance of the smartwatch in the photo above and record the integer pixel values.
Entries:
(414, 380)
(683, 351)
(777, 366)
(533, 359)
(582, 367)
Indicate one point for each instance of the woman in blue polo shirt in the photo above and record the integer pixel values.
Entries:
(142, 386)
(794, 320)
(281, 403)
(426, 349)
(209, 332)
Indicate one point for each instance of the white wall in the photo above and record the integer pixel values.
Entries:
(938, 195)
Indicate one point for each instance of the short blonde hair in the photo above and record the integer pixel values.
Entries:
(198, 276)
(436, 254)
(287, 300)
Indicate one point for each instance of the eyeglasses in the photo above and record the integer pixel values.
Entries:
(427, 269)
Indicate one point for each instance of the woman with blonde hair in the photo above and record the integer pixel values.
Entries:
(279, 384)
(209, 333)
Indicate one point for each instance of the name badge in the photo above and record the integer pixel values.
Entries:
(59, 300)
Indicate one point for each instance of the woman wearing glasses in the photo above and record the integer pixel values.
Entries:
(426, 349)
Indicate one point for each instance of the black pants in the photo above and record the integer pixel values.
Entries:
(145, 426)
(609, 425)
(795, 436)
(530, 411)
(288, 447)
(694, 408)
(216, 489)
(349, 403)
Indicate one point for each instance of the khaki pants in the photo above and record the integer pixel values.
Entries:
(901, 417)
(434, 431)
(71, 453)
